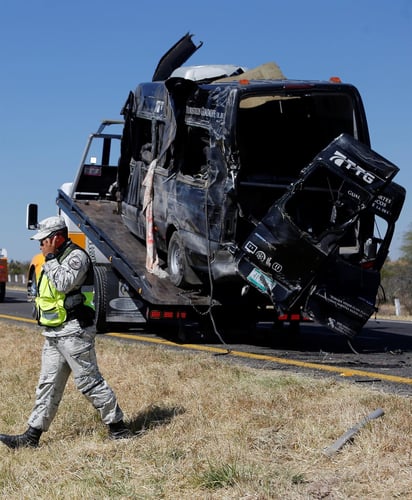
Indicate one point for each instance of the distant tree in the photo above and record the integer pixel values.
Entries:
(17, 267)
(406, 247)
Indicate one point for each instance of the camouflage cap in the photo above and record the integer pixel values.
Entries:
(49, 226)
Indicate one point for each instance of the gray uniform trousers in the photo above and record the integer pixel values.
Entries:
(63, 354)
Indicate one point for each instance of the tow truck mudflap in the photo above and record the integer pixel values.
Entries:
(293, 254)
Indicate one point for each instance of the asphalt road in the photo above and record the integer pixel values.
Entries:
(380, 356)
(15, 303)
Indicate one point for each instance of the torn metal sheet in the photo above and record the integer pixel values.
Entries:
(175, 57)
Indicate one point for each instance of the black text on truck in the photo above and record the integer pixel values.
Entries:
(239, 192)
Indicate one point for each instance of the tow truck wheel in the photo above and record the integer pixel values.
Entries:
(100, 298)
(176, 261)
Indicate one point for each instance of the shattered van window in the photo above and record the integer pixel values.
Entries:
(280, 135)
(373, 243)
(321, 203)
(195, 152)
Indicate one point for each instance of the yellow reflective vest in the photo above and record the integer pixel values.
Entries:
(49, 303)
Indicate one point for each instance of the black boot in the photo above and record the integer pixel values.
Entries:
(119, 431)
(30, 439)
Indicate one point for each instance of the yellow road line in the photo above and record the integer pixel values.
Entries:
(16, 318)
(342, 371)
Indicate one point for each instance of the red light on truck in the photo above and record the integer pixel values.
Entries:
(155, 314)
(167, 315)
(335, 79)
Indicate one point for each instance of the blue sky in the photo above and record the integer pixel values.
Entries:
(67, 65)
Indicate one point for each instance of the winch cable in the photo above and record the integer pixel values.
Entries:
(351, 347)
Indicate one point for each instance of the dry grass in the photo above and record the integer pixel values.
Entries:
(214, 431)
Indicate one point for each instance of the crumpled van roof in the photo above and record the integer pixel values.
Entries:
(207, 72)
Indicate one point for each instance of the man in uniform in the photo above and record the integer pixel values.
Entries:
(69, 344)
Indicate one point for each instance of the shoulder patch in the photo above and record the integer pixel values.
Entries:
(75, 262)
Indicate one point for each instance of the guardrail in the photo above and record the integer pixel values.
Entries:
(17, 279)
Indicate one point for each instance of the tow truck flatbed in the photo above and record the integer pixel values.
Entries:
(101, 223)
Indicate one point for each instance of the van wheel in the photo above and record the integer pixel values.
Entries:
(100, 298)
(176, 261)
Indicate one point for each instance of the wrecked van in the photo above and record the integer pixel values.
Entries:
(235, 176)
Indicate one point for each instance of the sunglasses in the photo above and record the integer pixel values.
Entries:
(47, 238)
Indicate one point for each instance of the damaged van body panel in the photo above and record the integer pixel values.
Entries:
(224, 156)
(313, 247)
(268, 182)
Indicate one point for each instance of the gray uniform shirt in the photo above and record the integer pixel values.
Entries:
(67, 276)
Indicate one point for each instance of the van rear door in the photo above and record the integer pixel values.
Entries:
(306, 235)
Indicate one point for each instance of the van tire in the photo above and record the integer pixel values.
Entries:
(177, 262)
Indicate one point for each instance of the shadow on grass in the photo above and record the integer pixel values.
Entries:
(154, 416)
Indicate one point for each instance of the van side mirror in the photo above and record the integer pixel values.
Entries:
(32, 216)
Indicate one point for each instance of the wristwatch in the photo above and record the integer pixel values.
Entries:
(50, 256)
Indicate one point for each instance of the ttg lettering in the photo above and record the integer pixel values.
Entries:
(343, 161)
